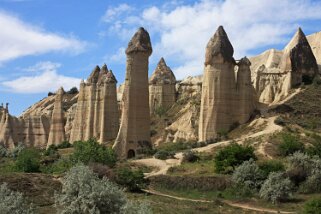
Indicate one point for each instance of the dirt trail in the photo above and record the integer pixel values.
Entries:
(162, 166)
(230, 203)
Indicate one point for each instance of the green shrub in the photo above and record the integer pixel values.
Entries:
(60, 166)
(271, 166)
(83, 192)
(92, 151)
(16, 150)
(315, 149)
(163, 155)
(12, 202)
(248, 175)
(276, 188)
(64, 145)
(313, 206)
(3, 151)
(289, 145)
(232, 156)
(51, 150)
(190, 156)
(28, 160)
(133, 180)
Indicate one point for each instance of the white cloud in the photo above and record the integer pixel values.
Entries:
(184, 30)
(120, 56)
(113, 12)
(46, 78)
(21, 39)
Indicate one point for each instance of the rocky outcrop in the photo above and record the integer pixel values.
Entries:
(276, 72)
(96, 114)
(218, 89)
(57, 124)
(162, 92)
(134, 132)
(225, 101)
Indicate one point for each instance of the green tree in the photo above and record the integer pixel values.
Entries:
(290, 144)
(92, 151)
(28, 160)
(232, 156)
(271, 166)
(133, 180)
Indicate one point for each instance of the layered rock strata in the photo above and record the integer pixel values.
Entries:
(134, 132)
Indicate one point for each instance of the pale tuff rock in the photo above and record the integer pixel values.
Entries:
(57, 125)
(96, 113)
(218, 89)
(315, 44)
(246, 96)
(162, 93)
(225, 101)
(190, 86)
(276, 72)
(6, 138)
(134, 132)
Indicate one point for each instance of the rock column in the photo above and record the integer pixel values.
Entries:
(134, 132)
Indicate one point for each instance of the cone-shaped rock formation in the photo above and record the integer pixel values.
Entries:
(134, 132)
(162, 92)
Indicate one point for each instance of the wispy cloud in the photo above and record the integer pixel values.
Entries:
(44, 78)
(20, 39)
(113, 12)
(182, 31)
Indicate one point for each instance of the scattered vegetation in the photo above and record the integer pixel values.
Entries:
(290, 144)
(313, 206)
(28, 160)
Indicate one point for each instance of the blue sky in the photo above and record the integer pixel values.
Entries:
(50, 43)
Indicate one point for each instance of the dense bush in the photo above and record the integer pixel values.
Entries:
(313, 206)
(271, 166)
(12, 202)
(163, 154)
(102, 170)
(137, 208)
(51, 150)
(133, 180)
(92, 151)
(299, 167)
(28, 160)
(315, 149)
(289, 145)
(60, 166)
(64, 145)
(16, 150)
(248, 175)
(232, 156)
(83, 192)
(276, 188)
(190, 156)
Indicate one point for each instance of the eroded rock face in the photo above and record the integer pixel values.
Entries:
(134, 132)
(57, 124)
(276, 72)
(162, 92)
(96, 114)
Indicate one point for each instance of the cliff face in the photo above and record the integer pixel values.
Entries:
(162, 92)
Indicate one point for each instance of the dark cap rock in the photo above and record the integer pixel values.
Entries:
(140, 43)
(162, 74)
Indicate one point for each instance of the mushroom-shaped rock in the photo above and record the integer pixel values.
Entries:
(219, 44)
(162, 74)
(140, 43)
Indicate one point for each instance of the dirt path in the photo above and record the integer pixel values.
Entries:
(230, 203)
(162, 166)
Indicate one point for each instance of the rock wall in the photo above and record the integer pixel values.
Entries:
(134, 132)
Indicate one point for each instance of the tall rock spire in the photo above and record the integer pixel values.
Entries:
(57, 127)
(219, 87)
(162, 92)
(134, 132)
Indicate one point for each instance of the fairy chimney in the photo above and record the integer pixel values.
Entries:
(219, 87)
(162, 92)
(57, 126)
(134, 132)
